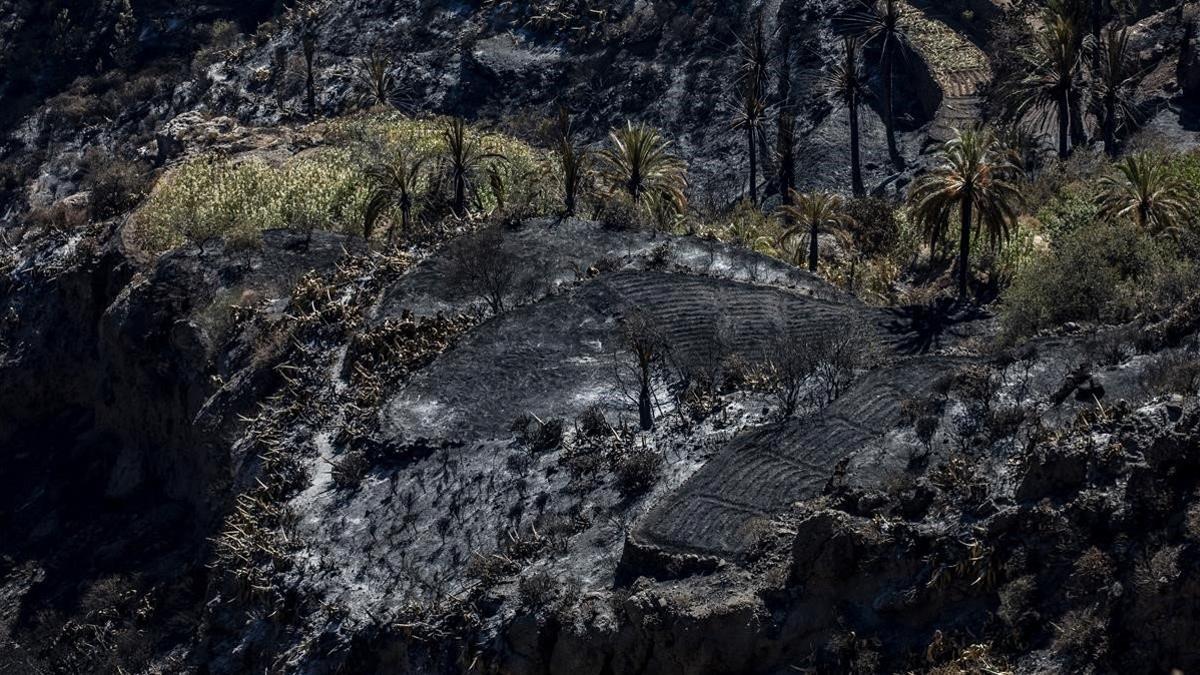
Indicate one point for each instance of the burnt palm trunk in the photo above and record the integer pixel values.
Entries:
(460, 194)
(787, 126)
(1064, 127)
(645, 413)
(753, 164)
(405, 208)
(889, 118)
(1110, 126)
(856, 178)
(812, 247)
(310, 87)
(787, 159)
(964, 247)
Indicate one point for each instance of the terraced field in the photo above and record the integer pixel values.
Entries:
(760, 474)
(557, 357)
(958, 66)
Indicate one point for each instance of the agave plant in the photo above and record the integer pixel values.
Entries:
(639, 162)
(1144, 187)
(465, 153)
(846, 81)
(974, 178)
(811, 214)
(394, 181)
(375, 77)
(1052, 82)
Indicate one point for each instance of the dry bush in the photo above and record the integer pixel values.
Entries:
(60, 217)
(349, 469)
(1173, 372)
(116, 185)
(482, 268)
(592, 423)
(537, 435)
(818, 370)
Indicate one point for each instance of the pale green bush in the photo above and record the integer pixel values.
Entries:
(211, 197)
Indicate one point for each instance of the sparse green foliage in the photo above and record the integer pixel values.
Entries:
(466, 153)
(209, 198)
(395, 180)
(639, 162)
(573, 161)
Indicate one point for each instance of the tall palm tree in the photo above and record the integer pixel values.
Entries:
(750, 104)
(754, 56)
(1052, 82)
(974, 178)
(847, 83)
(880, 22)
(786, 147)
(1145, 188)
(639, 161)
(464, 154)
(1115, 84)
(394, 182)
(573, 160)
(306, 18)
(812, 213)
(750, 114)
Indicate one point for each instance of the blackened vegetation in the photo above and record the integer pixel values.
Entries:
(484, 270)
(647, 346)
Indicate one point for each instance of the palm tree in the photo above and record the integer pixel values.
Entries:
(1115, 84)
(306, 17)
(573, 160)
(880, 22)
(974, 177)
(750, 114)
(813, 213)
(639, 161)
(464, 153)
(375, 78)
(847, 83)
(394, 182)
(754, 57)
(1052, 82)
(786, 147)
(1146, 188)
(750, 104)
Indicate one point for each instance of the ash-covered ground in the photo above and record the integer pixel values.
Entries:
(561, 444)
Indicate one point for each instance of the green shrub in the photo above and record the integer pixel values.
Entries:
(1108, 272)
(210, 198)
(1075, 207)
